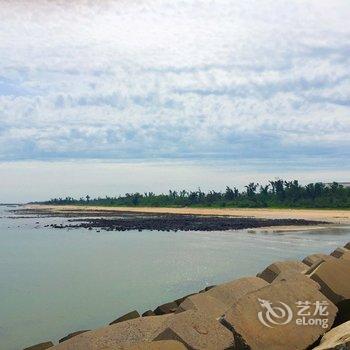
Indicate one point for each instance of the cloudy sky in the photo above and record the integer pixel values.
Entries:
(260, 85)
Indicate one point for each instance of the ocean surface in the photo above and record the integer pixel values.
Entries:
(53, 282)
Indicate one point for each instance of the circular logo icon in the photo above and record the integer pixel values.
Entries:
(274, 315)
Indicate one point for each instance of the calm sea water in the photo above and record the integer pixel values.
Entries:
(53, 282)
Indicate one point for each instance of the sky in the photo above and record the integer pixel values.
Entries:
(236, 90)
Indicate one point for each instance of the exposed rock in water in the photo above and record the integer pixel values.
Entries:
(173, 222)
(71, 335)
(41, 346)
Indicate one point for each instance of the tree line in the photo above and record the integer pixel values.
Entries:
(277, 193)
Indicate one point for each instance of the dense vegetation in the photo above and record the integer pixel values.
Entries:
(279, 193)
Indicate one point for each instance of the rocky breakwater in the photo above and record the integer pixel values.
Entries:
(290, 305)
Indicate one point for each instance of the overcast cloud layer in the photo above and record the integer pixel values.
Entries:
(195, 79)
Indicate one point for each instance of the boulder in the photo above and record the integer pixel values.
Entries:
(347, 246)
(148, 313)
(339, 252)
(41, 346)
(334, 278)
(158, 345)
(229, 293)
(167, 308)
(180, 300)
(117, 336)
(297, 277)
(314, 258)
(205, 303)
(337, 338)
(129, 316)
(273, 270)
(196, 331)
(207, 288)
(270, 318)
(71, 335)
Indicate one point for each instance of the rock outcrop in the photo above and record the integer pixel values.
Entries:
(273, 270)
(270, 318)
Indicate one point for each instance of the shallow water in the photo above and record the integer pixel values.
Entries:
(57, 281)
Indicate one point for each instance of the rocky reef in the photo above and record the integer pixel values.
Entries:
(290, 305)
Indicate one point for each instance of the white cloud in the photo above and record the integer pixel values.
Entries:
(197, 78)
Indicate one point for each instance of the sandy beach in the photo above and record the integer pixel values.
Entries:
(341, 217)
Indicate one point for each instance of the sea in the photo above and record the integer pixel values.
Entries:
(56, 281)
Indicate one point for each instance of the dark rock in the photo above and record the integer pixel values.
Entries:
(71, 335)
(129, 316)
(206, 289)
(339, 252)
(173, 222)
(148, 313)
(167, 308)
(180, 300)
(41, 346)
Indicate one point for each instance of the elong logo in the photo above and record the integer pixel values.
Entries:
(308, 314)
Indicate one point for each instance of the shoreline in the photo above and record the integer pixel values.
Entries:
(333, 216)
(177, 219)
